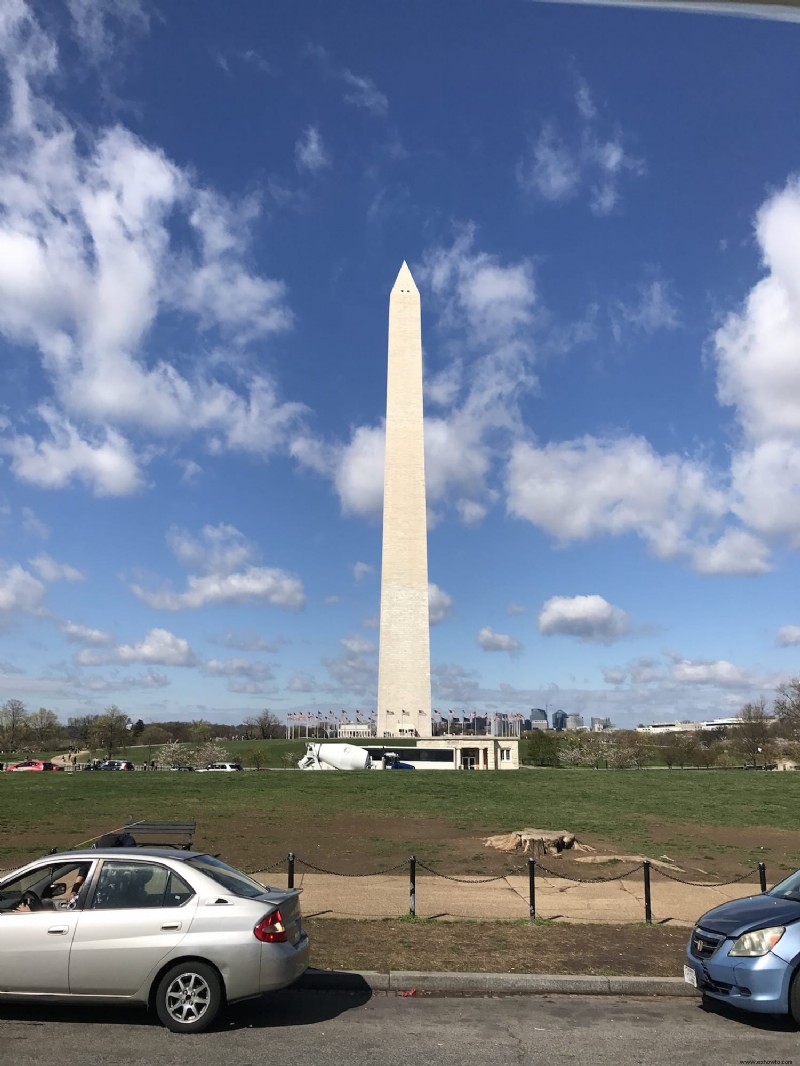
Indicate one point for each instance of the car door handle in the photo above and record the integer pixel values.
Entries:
(171, 925)
(58, 929)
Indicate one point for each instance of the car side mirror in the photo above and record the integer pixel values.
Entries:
(58, 889)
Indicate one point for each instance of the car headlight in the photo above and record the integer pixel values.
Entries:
(759, 942)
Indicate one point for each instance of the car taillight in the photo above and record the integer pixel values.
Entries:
(271, 930)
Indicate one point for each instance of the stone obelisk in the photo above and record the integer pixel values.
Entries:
(404, 659)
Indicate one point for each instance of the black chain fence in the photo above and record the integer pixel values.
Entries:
(532, 868)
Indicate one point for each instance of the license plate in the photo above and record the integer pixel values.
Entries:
(689, 976)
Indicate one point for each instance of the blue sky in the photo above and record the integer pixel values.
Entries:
(202, 211)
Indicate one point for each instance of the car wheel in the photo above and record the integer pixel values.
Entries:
(188, 997)
(794, 998)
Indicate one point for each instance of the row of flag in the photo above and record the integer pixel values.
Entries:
(344, 716)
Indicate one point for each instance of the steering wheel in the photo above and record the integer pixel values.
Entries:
(32, 900)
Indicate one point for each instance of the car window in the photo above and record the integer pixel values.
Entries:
(12, 890)
(140, 885)
(233, 881)
(43, 881)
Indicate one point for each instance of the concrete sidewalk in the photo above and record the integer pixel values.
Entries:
(410, 982)
(622, 900)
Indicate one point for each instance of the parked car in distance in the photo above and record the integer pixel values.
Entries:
(115, 764)
(178, 931)
(221, 767)
(183, 769)
(35, 765)
(747, 952)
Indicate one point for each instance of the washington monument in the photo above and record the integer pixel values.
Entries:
(404, 658)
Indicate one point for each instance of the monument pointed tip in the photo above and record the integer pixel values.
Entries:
(405, 279)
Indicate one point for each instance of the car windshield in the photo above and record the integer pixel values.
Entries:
(788, 888)
(233, 881)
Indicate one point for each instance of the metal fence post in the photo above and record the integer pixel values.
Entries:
(532, 887)
(412, 885)
(762, 876)
(290, 870)
(648, 910)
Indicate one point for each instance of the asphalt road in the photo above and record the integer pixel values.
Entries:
(314, 1029)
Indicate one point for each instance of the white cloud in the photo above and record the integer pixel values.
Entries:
(491, 641)
(238, 668)
(361, 570)
(80, 634)
(515, 608)
(736, 552)
(301, 683)
(652, 310)
(585, 488)
(49, 570)
(101, 235)
(249, 642)
(756, 347)
(787, 636)
(439, 604)
(309, 151)
(219, 549)
(19, 591)
(589, 618)
(557, 168)
(363, 92)
(355, 669)
(357, 645)
(223, 556)
(93, 25)
(707, 672)
(614, 677)
(359, 474)
(254, 584)
(105, 463)
(33, 525)
(159, 648)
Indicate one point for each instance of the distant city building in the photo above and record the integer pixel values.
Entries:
(538, 714)
(599, 724)
(690, 727)
(575, 721)
(559, 720)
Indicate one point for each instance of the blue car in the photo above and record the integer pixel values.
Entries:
(747, 952)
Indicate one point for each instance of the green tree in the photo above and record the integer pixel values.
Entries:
(541, 748)
(152, 735)
(111, 730)
(137, 729)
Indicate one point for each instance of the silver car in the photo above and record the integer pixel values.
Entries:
(178, 931)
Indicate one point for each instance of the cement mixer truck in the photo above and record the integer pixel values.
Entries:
(335, 757)
(348, 757)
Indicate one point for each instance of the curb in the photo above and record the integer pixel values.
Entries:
(519, 984)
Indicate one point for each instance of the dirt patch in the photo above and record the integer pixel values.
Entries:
(496, 947)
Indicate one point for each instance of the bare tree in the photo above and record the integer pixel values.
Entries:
(43, 725)
(264, 726)
(752, 738)
(80, 728)
(111, 730)
(13, 725)
(787, 709)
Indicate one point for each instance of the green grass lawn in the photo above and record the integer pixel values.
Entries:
(267, 814)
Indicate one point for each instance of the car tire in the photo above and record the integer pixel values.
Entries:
(188, 997)
(794, 998)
